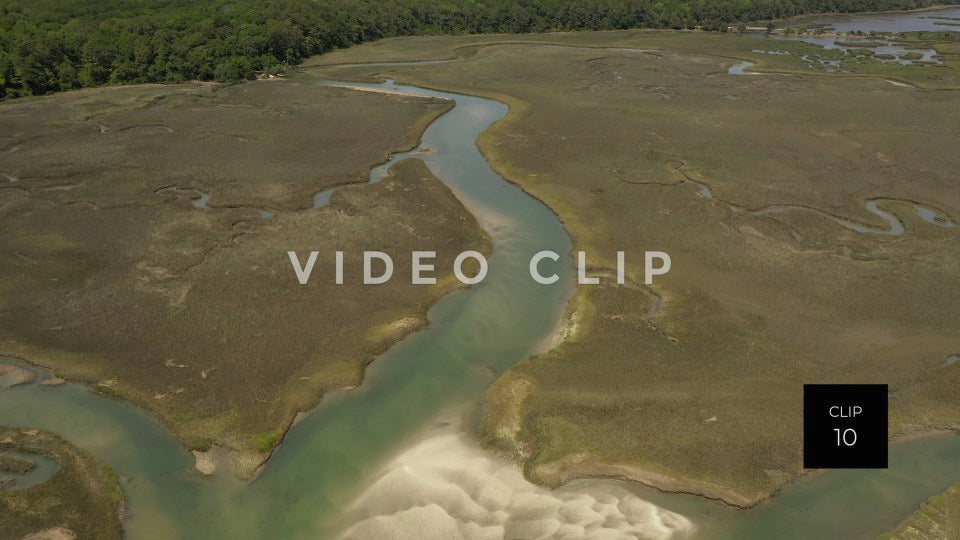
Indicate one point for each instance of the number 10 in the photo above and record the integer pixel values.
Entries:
(842, 437)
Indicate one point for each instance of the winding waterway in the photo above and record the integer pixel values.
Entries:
(473, 335)
(323, 462)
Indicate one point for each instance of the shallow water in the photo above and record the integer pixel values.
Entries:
(887, 47)
(324, 461)
(875, 22)
(202, 201)
(322, 198)
(6, 380)
(887, 22)
(896, 227)
(43, 469)
(741, 68)
(931, 216)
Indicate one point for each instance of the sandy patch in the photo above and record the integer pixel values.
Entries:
(15, 375)
(383, 90)
(213, 461)
(446, 487)
(205, 462)
(898, 83)
(511, 393)
(566, 329)
(56, 533)
(395, 329)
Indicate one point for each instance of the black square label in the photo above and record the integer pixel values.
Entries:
(845, 426)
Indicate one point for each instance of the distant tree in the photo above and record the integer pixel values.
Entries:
(235, 68)
(285, 41)
(97, 57)
(52, 45)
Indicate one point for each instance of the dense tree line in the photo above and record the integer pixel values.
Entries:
(52, 45)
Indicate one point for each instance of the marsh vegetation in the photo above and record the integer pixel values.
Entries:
(149, 228)
(82, 499)
(939, 517)
(694, 385)
(114, 278)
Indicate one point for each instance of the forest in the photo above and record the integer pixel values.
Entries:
(54, 45)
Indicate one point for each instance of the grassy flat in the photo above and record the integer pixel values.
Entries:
(83, 497)
(115, 278)
(939, 517)
(641, 140)
(15, 465)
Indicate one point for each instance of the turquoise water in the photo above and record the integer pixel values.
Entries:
(473, 335)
